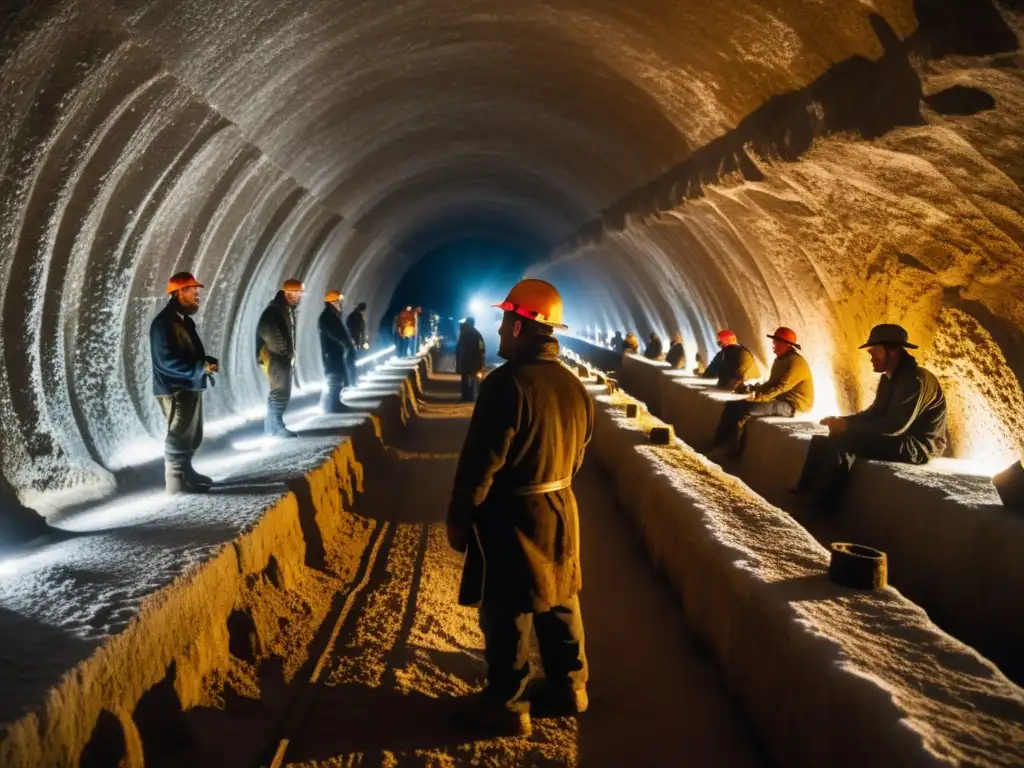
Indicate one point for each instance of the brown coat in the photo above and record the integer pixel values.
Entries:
(789, 382)
(531, 425)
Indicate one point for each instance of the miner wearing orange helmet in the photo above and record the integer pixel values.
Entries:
(405, 332)
(733, 364)
(788, 391)
(181, 369)
(336, 351)
(513, 513)
(275, 351)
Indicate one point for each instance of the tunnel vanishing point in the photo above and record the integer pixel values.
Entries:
(685, 165)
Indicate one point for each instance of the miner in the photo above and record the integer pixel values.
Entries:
(275, 351)
(470, 354)
(405, 332)
(676, 356)
(906, 423)
(336, 348)
(788, 391)
(733, 364)
(181, 370)
(654, 348)
(513, 513)
(356, 324)
(631, 344)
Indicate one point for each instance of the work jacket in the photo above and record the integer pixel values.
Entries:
(676, 357)
(179, 359)
(910, 403)
(732, 366)
(405, 324)
(335, 342)
(275, 332)
(631, 345)
(789, 382)
(530, 426)
(654, 348)
(356, 323)
(470, 351)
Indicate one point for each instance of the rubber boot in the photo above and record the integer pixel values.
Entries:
(490, 714)
(548, 700)
(275, 426)
(194, 477)
(175, 480)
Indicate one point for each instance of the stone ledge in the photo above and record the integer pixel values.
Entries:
(828, 675)
(180, 631)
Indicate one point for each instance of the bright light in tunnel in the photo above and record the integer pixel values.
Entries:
(375, 356)
(477, 306)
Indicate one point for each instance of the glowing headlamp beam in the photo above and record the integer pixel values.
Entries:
(375, 356)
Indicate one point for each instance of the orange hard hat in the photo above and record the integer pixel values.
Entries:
(785, 335)
(293, 286)
(182, 280)
(332, 296)
(727, 337)
(535, 300)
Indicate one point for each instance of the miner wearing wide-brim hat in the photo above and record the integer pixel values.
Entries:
(906, 423)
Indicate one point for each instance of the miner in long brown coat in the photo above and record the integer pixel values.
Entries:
(514, 515)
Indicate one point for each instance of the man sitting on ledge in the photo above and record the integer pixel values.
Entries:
(676, 357)
(906, 423)
(733, 364)
(789, 390)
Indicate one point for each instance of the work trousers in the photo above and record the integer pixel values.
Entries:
(507, 648)
(331, 400)
(470, 387)
(279, 374)
(351, 376)
(737, 413)
(183, 412)
(830, 459)
(407, 347)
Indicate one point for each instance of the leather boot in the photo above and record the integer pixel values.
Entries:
(275, 426)
(175, 480)
(194, 477)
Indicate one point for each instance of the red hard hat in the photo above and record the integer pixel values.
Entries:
(785, 335)
(182, 280)
(727, 337)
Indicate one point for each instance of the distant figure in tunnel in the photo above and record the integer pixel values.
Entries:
(405, 332)
(275, 351)
(470, 353)
(655, 348)
(906, 422)
(788, 391)
(181, 369)
(733, 364)
(356, 324)
(631, 344)
(617, 342)
(336, 349)
(676, 356)
(514, 514)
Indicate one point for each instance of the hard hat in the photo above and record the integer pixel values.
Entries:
(785, 335)
(333, 295)
(727, 337)
(182, 280)
(535, 300)
(293, 286)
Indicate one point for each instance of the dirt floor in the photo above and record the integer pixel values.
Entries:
(404, 650)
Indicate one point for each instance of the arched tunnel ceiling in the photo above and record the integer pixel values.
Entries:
(691, 164)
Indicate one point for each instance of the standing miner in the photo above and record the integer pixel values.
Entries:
(335, 351)
(181, 369)
(470, 355)
(405, 332)
(513, 513)
(275, 351)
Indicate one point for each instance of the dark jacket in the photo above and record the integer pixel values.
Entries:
(530, 425)
(654, 348)
(732, 366)
(334, 340)
(356, 324)
(789, 382)
(470, 351)
(676, 356)
(910, 403)
(276, 330)
(179, 360)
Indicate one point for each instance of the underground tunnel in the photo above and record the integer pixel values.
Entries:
(671, 167)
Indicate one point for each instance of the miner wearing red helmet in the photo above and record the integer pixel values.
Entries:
(788, 391)
(514, 514)
(275, 352)
(181, 369)
(733, 364)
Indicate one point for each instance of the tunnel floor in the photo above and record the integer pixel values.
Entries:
(404, 650)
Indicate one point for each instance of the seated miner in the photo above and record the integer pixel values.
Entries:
(700, 367)
(275, 351)
(513, 513)
(654, 348)
(336, 347)
(631, 344)
(676, 356)
(788, 391)
(181, 369)
(906, 423)
(733, 364)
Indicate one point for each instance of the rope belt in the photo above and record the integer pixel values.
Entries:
(537, 488)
